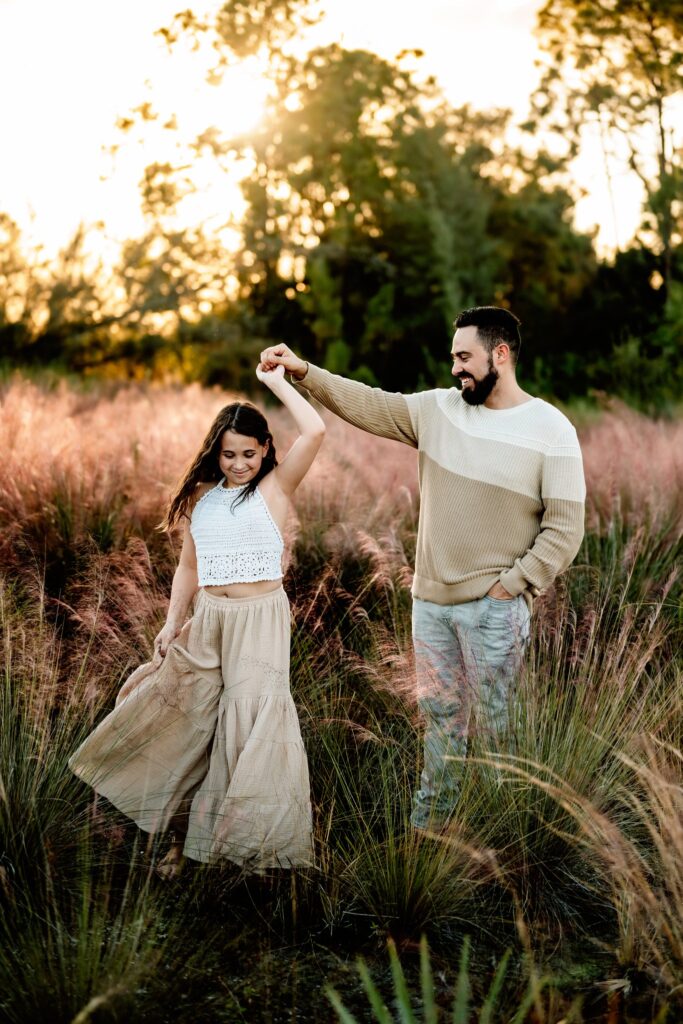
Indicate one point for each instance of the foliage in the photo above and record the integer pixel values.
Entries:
(618, 66)
(243, 28)
(371, 222)
(375, 212)
(75, 313)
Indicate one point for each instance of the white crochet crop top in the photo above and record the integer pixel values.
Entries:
(235, 543)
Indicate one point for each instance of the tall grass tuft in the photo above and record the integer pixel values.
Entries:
(77, 932)
(636, 846)
(69, 951)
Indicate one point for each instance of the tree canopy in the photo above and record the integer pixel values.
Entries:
(619, 65)
(375, 211)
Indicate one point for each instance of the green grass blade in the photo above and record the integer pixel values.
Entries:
(461, 1004)
(528, 1001)
(429, 1008)
(380, 1011)
(405, 1010)
(342, 1013)
(491, 1000)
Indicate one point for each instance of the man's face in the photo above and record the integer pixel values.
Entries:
(473, 366)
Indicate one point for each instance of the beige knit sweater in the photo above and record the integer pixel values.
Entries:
(501, 490)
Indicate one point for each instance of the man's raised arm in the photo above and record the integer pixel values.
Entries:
(379, 412)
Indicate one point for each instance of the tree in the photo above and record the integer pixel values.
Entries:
(548, 269)
(46, 305)
(367, 213)
(375, 210)
(618, 64)
(243, 28)
(73, 311)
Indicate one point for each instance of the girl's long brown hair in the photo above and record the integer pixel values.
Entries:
(243, 418)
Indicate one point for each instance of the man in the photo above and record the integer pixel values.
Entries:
(502, 509)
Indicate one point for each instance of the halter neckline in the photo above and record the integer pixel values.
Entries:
(238, 488)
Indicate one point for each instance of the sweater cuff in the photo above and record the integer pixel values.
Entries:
(308, 378)
(513, 581)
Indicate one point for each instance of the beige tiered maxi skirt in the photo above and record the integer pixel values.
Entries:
(211, 732)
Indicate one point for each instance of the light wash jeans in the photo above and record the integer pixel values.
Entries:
(467, 657)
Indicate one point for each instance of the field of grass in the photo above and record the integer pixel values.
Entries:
(559, 895)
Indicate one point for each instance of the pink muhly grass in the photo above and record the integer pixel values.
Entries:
(87, 473)
(133, 443)
(634, 469)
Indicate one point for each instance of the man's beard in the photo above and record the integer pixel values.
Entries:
(481, 389)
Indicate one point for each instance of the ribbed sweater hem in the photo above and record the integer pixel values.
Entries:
(425, 589)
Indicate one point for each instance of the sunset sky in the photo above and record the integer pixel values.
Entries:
(68, 70)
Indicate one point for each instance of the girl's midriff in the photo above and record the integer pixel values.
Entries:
(245, 589)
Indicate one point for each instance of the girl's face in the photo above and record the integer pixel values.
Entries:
(240, 457)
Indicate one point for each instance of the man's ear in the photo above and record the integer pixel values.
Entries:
(502, 352)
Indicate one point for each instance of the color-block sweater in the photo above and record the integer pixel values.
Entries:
(502, 491)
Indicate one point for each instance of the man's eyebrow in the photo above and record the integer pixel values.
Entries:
(462, 352)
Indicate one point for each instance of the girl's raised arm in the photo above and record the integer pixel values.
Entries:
(298, 459)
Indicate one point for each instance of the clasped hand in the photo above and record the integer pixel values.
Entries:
(268, 375)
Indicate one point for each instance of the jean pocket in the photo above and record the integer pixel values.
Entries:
(507, 616)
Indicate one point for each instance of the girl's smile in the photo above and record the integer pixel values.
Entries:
(240, 457)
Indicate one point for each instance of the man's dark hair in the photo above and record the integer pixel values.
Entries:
(494, 325)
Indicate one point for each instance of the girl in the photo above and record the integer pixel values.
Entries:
(205, 739)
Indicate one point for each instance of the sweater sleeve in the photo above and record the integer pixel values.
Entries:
(563, 492)
(385, 413)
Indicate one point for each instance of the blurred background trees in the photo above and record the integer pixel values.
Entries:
(375, 211)
(618, 66)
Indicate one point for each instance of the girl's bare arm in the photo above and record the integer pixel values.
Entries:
(183, 589)
(298, 459)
